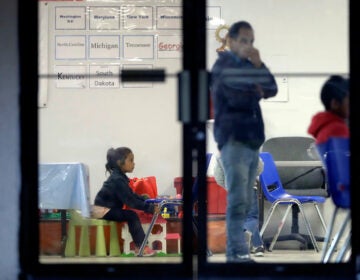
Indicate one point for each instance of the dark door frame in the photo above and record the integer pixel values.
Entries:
(194, 153)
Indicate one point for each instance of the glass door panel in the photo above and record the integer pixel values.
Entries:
(301, 54)
(87, 106)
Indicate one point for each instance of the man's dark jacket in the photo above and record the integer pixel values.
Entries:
(235, 89)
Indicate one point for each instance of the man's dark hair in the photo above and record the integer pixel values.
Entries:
(336, 87)
(234, 28)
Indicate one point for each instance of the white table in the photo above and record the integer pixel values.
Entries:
(64, 186)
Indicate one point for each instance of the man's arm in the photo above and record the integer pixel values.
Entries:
(268, 87)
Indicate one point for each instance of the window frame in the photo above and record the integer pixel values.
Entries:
(29, 220)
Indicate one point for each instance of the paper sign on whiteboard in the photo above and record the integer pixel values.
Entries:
(283, 90)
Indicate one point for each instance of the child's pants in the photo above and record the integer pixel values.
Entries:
(134, 224)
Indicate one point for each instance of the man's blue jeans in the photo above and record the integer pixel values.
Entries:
(240, 165)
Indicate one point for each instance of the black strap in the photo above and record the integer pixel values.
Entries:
(303, 174)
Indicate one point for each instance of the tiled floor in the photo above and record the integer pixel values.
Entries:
(276, 256)
(279, 257)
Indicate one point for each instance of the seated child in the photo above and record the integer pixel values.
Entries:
(116, 192)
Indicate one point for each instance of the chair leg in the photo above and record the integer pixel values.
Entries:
(328, 235)
(84, 250)
(307, 224)
(281, 225)
(100, 250)
(321, 217)
(344, 249)
(70, 247)
(337, 237)
(114, 240)
(179, 246)
(267, 220)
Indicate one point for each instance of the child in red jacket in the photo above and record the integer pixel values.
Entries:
(333, 121)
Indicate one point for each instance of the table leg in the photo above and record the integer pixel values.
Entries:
(154, 218)
(63, 231)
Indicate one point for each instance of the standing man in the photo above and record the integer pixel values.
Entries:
(239, 80)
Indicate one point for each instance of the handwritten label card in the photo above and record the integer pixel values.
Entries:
(104, 76)
(70, 47)
(136, 46)
(106, 46)
(169, 46)
(137, 17)
(169, 17)
(104, 18)
(70, 18)
(70, 76)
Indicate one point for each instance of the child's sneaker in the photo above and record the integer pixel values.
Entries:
(147, 252)
(258, 251)
(239, 259)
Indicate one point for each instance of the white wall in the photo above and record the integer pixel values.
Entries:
(82, 124)
(292, 38)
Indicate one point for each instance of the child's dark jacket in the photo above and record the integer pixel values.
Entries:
(116, 192)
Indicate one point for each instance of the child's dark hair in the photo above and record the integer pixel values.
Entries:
(234, 28)
(336, 87)
(113, 155)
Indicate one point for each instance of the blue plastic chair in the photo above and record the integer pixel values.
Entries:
(337, 163)
(274, 192)
(333, 144)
